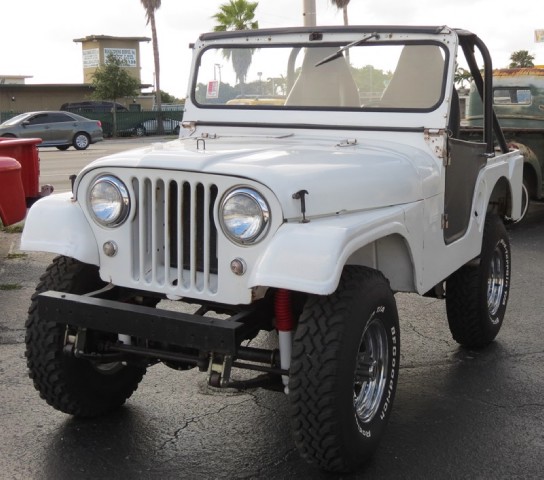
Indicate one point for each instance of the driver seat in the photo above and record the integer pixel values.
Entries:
(328, 85)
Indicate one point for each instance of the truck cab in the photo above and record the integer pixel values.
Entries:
(518, 101)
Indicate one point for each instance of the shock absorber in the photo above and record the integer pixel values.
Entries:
(285, 326)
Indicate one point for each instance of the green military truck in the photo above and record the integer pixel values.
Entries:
(518, 101)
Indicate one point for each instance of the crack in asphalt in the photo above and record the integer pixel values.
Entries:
(176, 434)
(260, 405)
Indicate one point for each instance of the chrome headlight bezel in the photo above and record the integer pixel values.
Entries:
(109, 207)
(234, 207)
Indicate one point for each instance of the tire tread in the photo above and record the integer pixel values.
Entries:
(45, 359)
(316, 428)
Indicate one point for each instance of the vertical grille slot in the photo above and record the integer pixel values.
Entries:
(175, 240)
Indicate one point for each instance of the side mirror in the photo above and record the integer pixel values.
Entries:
(25, 123)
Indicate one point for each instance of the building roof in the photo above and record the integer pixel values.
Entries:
(46, 86)
(537, 71)
(96, 38)
(28, 86)
(14, 77)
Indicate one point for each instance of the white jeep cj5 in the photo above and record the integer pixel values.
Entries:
(330, 176)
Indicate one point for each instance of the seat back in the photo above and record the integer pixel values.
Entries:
(417, 80)
(327, 85)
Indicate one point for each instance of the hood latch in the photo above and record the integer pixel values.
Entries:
(301, 195)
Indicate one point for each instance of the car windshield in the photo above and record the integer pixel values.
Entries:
(14, 120)
(366, 76)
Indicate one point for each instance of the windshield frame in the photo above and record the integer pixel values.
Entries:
(339, 44)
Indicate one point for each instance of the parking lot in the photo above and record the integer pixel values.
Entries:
(458, 413)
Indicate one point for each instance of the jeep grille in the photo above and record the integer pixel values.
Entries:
(175, 236)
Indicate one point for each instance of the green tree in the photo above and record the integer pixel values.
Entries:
(111, 82)
(370, 82)
(151, 6)
(521, 59)
(461, 76)
(237, 15)
(168, 98)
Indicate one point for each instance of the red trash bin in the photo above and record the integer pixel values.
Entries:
(12, 195)
(25, 151)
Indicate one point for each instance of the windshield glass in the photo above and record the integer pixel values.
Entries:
(15, 120)
(365, 76)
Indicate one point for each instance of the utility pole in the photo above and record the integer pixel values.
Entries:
(308, 13)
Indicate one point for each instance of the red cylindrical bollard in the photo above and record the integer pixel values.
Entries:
(12, 194)
(25, 151)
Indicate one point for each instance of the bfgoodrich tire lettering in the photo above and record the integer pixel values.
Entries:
(72, 385)
(344, 371)
(477, 293)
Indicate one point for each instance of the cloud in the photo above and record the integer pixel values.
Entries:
(45, 49)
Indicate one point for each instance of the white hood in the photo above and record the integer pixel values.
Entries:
(338, 178)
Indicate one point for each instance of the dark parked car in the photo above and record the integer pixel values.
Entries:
(56, 129)
(150, 127)
(92, 107)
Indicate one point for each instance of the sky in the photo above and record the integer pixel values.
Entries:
(37, 36)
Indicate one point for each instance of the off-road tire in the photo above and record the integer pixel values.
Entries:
(69, 384)
(327, 354)
(477, 293)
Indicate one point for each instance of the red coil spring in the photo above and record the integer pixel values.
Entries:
(282, 309)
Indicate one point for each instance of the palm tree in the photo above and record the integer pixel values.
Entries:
(237, 15)
(343, 4)
(521, 59)
(151, 6)
(462, 75)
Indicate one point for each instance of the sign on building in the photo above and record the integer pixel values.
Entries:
(90, 58)
(126, 55)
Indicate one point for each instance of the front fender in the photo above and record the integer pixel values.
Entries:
(310, 257)
(56, 224)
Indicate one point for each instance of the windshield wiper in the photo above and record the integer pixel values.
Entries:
(340, 51)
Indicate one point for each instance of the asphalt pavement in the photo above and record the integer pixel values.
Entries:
(459, 414)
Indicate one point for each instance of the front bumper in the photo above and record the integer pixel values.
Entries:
(193, 331)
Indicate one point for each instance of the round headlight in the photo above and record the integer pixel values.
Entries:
(109, 201)
(244, 215)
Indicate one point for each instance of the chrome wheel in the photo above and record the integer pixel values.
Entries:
(344, 370)
(495, 282)
(477, 293)
(525, 200)
(370, 373)
(139, 131)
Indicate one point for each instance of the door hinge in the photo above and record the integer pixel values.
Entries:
(435, 138)
(433, 132)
